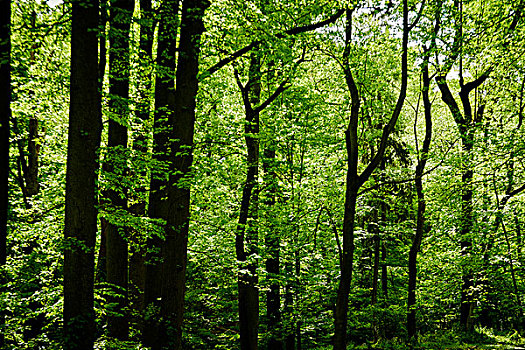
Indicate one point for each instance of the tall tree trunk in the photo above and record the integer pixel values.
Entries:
(421, 205)
(121, 12)
(465, 122)
(158, 206)
(289, 305)
(246, 242)
(30, 166)
(384, 271)
(353, 180)
(33, 150)
(374, 230)
(100, 273)
(272, 242)
(5, 119)
(182, 125)
(82, 164)
(137, 266)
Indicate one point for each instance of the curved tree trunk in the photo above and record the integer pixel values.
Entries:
(421, 205)
(353, 180)
(465, 122)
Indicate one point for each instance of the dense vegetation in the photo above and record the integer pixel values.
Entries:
(224, 174)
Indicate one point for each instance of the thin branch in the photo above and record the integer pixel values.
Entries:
(253, 44)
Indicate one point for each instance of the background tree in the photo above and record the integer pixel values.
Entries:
(5, 120)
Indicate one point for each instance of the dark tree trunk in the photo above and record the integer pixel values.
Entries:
(137, 266)
(384, 271)
(33, 150)
(158, 206)
(102, 60)
(289, 305)
(101, 270)
(246, 242)
(374, 229)
(272, 242)
(182, 125)
(82, 164)
(466, 125)
(421, 205)
(121, 12)
(353, 180)
(5, 119)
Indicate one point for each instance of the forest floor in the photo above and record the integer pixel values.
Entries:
(482, 339)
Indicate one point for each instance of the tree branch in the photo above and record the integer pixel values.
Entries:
(253, 44)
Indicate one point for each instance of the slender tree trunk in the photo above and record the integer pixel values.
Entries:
(465, 122)
(466, 227)
(374, 229)
(102, 60)
(174, 249)
(121, 12)
(30, 164)
(341, 310)
(355, 181)
(82, 164)
(384, 271)
(272, 241)
(5, 119)
(158, 206)
(289, 304)
(33, 150)
(137, 259)
(421, 205)
(246, 243)
(100, 273)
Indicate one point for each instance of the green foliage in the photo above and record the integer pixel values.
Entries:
(305, 126)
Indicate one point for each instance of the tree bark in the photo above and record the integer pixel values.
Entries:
(272, 241)
(137, 259)
(121, 12)
(82, 164)
(33, 150)
(5, 120)
(466, 124)
(421, 205)
(246, 242)
(353, 180)
(158, 206)
(182, 125)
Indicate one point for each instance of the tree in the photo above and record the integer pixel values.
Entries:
(421, 205)
(116, 159)
(82, 164)
(354, 180)
(5, 120)
(157, 206)
(182, 124)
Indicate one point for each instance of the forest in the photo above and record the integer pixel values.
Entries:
(262, 174)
